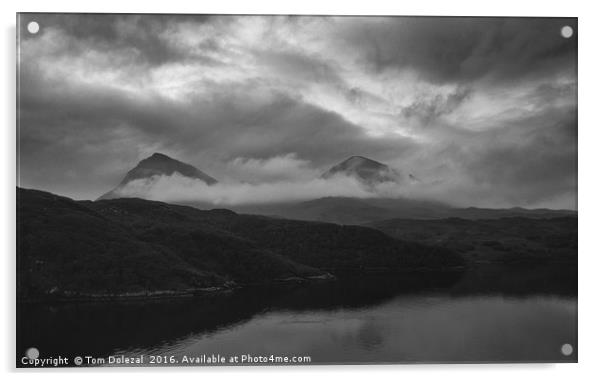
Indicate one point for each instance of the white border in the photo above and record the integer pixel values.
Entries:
(590, 140)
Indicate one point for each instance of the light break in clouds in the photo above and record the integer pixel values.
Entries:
(482, 110)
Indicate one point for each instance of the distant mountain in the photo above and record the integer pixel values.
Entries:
(157, 165)
(356, 211)
(340, 210)
(504, 240)
(367, 171)
(69, 247)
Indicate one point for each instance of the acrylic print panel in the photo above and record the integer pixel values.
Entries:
(201, 190)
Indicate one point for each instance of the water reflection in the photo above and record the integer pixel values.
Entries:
(487, 315)
(406, 329)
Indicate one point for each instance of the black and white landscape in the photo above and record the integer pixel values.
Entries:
(347, 189)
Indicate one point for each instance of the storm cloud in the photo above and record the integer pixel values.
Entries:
(482, 110)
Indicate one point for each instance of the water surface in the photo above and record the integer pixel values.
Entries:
(379, 319)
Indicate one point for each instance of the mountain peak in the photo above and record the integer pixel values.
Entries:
(358, 157)
(363, 161)
(158, 164)
(161, 164)
(159, 156)
(368, 171)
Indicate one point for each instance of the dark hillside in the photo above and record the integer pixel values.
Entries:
(65, 246)
(316, 244)
(504, 240)
(133, 245)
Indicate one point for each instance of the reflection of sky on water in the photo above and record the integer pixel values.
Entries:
(404, 329)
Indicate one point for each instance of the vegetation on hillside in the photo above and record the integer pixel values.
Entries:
(505, 240)
(68, 247)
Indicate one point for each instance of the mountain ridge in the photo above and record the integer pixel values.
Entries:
(333, 209)
(367, 171)
(158, 164)
(360, 211)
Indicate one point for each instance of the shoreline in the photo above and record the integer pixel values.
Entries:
(81, 297)
(67, 297)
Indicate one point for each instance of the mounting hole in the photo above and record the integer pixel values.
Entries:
(566, 349)
(32, 353)
(33, 27)
(566, 31)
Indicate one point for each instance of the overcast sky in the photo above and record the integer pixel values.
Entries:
(482, 110)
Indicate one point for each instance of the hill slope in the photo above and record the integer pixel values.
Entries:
(133, 245)
(503, 240)
(65, 245)
(348, 210)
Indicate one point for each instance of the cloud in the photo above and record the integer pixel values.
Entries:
(181, 189)
(487, 105)
(275, 169)
(89, 127)
(452, 49)
(429, 109)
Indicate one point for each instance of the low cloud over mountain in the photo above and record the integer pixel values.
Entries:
(367, 171)
(160, 177)
(480, 109)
